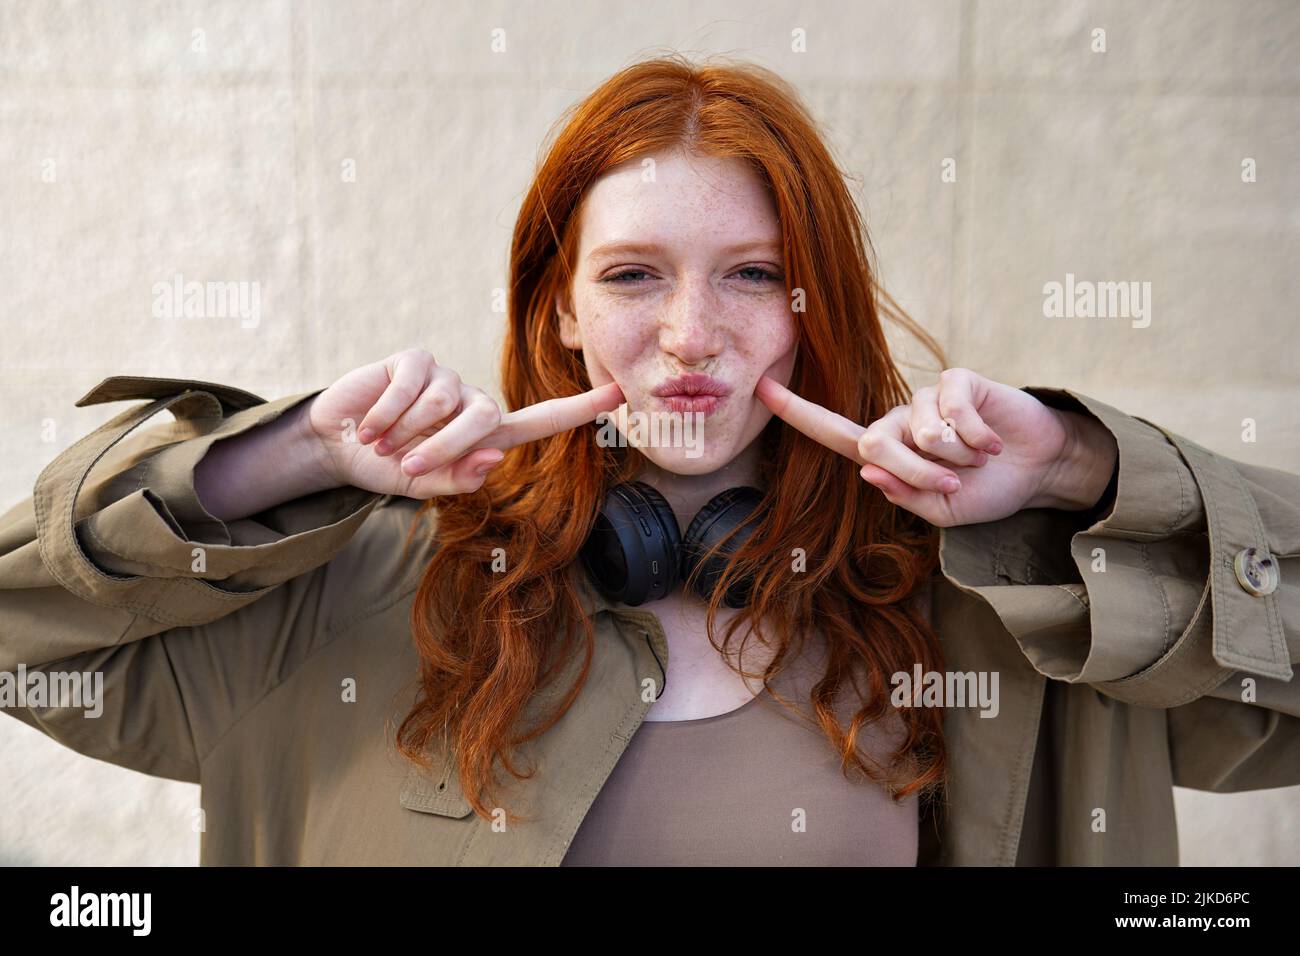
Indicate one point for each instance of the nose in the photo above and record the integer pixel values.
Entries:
(691, 327)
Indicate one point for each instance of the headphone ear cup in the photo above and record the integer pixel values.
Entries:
(734, 508)
(633, 552)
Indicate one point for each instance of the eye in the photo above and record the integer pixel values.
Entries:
(750, 274)
(623, 277)
(759, 274)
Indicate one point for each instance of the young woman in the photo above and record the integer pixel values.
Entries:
(391, 621)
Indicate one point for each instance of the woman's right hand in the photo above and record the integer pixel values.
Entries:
(409, 426)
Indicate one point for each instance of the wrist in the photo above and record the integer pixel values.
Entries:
(258, 468)
(309, 450)
(1083, 472)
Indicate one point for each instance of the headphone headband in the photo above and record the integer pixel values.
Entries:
(636, 553)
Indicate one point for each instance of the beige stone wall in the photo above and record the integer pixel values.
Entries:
(139, 141)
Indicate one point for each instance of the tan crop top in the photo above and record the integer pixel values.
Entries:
(756, 786)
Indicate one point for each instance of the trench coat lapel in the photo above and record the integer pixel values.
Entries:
(990, 759)
(572, 759)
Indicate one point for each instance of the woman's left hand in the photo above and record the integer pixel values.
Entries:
(966, 450)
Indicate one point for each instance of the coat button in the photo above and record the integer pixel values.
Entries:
(1257, 571)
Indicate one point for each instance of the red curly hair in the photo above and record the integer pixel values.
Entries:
(488, 641)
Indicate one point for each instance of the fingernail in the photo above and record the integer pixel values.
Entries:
(413, 465)
(487, 466)
(949, 484)
(993, 447)
(382, 447)
(365, 435)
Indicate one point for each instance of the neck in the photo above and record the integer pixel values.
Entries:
(687, 494)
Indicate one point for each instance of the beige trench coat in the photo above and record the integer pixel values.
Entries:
(1162, 669)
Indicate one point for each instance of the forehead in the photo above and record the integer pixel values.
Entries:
(680, 198)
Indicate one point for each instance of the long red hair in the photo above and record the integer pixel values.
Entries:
(488, 641)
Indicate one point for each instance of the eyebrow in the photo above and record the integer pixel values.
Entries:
(655, 248)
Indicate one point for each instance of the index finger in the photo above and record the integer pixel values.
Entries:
(553, 416)
(822, 425)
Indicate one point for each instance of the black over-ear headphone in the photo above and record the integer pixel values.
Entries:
(636, 553)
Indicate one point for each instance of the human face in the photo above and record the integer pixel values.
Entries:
(679, 273)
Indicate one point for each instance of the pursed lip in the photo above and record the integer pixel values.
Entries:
(691, 384)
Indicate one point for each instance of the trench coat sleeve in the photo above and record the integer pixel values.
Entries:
(113, 566)
(1140, 598)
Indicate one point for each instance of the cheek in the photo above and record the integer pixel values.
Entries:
(613, 339)
(775, 340)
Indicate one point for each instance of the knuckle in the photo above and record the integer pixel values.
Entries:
(485, 411)
(402, 391)
(927, 436)
(439, 402)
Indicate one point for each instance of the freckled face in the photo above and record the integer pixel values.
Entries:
(681, 272)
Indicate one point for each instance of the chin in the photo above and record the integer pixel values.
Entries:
(678, 461)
